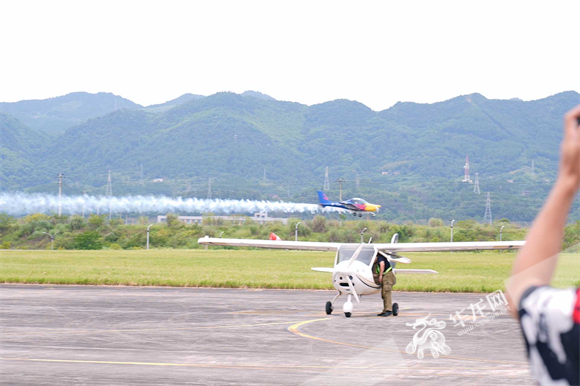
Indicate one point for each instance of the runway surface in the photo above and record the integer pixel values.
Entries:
(151, 336)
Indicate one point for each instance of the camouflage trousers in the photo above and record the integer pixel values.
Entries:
(389, 280)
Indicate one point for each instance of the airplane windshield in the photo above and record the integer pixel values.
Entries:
(359, 201)
(345, 252)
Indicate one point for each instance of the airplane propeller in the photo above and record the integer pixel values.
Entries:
(355, 255)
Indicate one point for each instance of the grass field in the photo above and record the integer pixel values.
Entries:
(458, 272)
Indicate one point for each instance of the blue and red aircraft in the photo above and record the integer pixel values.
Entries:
(354, 205)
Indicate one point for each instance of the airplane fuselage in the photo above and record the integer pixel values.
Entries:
(354, 207)
(360, 276)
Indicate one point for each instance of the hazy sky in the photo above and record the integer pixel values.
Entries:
(377, 53)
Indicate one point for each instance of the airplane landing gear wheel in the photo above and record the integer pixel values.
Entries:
(360, 214)
(354, 214)
(395, 309)
(328, 308)
(347, 314)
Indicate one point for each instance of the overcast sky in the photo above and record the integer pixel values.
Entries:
(377, 53)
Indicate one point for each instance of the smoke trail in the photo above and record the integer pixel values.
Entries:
(18, 204)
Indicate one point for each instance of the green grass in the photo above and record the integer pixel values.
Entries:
(458, 272)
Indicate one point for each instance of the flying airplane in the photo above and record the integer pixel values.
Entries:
(354, 264)
(354, 205)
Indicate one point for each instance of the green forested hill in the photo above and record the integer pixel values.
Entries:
(162, 107)
(55, 115)
(19, 148)
(408, 158)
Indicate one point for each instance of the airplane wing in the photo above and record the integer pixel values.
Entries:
(298, 245)
(397, 271)
(324, 269)
(447, 247)
(387, 247)
(348, 205)
(421, 271)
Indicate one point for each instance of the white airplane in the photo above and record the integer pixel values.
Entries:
(354, 264)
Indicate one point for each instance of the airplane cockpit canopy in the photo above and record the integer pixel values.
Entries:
(365, 256)
(359, 201)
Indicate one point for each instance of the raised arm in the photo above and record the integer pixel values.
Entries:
(535, 263)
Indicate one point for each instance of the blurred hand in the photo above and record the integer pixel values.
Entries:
(569, 174)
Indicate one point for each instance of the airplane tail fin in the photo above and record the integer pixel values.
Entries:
(322, 197)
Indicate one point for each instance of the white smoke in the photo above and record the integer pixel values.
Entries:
(18, 204)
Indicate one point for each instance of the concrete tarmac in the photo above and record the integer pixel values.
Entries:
(93, 335)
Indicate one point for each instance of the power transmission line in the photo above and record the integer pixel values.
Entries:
(487, 217)
(109, 192)
(340, 181)
(84, 197)
(466, 167)
(60, 177)
(326, 180)
(476, 186)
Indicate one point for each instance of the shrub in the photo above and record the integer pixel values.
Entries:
(384, 227)
(405, 232)
(6, 222)
(466, 224)
(36, 217)
(335, 236)
(116, 222)
(88, 240)
(65, 241)
(96, 221)
(571, 235)
(113, 237)
(173, 220)
(436, 222)
(319, 224)
(76, 223)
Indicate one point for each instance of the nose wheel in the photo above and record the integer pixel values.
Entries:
(348, 307)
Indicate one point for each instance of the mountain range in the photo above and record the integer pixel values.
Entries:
(255, 146)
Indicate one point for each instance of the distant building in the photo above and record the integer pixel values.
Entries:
(158, 180)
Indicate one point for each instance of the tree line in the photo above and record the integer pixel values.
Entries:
(97, 232)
